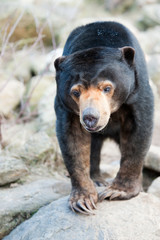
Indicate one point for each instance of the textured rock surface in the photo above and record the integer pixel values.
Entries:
(11, 169)
(136, 219)
(18, 204)
(37, 148)
(152, 160)
(15, 135)
(155, 187)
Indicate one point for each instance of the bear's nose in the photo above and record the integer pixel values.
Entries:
(90, 117)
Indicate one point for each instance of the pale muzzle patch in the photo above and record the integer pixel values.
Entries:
(95, 104)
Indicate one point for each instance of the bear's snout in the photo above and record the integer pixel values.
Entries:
(90, 117)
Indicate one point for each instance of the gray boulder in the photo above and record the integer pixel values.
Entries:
(19, 203)
(11, 169)
(15, 135)
(37, 148)
(136, 219)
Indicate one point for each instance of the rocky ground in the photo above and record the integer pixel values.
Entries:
(32, 173)
(113, 220)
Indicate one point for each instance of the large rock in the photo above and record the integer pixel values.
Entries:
(20, 203)
(37, 148)
(10, 94)
(14, 136)
(155, 187)
(136, 219)
(11, 169)
(152, 160)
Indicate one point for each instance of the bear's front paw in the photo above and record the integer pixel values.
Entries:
(83, 201)
(118, 190)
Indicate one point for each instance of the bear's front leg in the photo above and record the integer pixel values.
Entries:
(135, 140)
(75, 144)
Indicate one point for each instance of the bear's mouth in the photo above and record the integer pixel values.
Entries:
(95, 129)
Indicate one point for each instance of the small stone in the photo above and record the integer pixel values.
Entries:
(11, 169)
(155, 187)
(152, 160)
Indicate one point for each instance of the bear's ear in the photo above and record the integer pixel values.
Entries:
(128, 54)
(58, 61)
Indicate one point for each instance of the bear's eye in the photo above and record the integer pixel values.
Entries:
(76, 93)
(107, 89)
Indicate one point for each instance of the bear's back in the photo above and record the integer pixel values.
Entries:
(98, 34)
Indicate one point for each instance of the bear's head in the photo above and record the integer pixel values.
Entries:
(94, 83)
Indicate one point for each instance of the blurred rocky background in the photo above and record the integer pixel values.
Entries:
(32, 36)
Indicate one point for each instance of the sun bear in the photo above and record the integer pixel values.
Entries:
(103, 92)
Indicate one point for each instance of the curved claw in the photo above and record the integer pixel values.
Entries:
(104, 195)
(119, 194)
(92, 201)
(81, 205)
(78, 209)
(114, 195)
(88, 205)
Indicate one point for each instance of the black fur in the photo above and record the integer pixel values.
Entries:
(93, 52)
